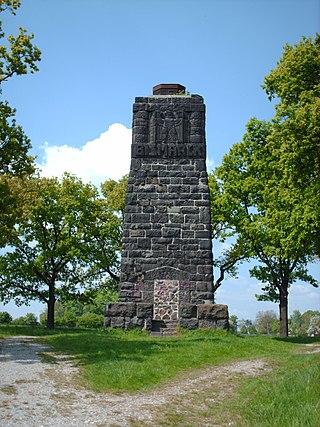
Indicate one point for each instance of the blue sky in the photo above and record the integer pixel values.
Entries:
(98, 55)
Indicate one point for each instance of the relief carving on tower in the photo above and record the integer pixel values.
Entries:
(168, 126)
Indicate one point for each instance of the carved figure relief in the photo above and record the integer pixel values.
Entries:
(168, 127)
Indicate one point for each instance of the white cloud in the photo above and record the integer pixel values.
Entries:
(105, 157)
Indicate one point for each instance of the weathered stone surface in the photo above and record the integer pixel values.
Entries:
(166, 262)
(121, 309)
(212, 311)
(223, 323)
(188, 311)
(189, 323)
(145, 310)
(117, 322)
(207, 324)
(133, 322)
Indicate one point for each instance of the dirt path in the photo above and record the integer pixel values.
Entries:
(35, 393)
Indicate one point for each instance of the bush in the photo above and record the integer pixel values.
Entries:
(68, 320)
(29, 319)
(5, 317)
(90, 320)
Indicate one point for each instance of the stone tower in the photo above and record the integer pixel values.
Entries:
(166, 264)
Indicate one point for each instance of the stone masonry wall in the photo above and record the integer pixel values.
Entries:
(166, 263)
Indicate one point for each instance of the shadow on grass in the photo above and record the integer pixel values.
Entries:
(299, 340)
(35, 331)
(92, 348)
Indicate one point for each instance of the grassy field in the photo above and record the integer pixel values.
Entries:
(132, 361)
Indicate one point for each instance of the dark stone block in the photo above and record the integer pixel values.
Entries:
(159, 218)
(208, 324)
(203, 287)
(145, 310)
(148, 209)
(148, 297)
(117, 322)
(191, 218)
(190, 210)
(223, 324)
(187, 234)
(213, 311)
(121, 309)
(144, 243)
(205, 244)
(140, 218)
(189, 323)
(188, 311)
(204, 269)
(202, 234)
(133, 209)
(137, 233)
(133, 322)
(176, 218)
(126, 286)
(171, 232)
(153, 233)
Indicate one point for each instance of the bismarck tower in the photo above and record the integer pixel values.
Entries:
(166, 264)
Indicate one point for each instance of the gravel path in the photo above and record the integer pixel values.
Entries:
(34, 393)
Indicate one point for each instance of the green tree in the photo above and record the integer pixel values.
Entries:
(29, 319)
(245, 326)
(253, 330)
(90, 320)
(265, 321)
(115, 194)
(86, 310)
(265, 193)
(52, 254)
(296, 324)
(294, 136)
(233, 324)
(276, 327)
(18, 56)
(5, 317)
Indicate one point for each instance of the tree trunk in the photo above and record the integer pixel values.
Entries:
(283, 309)
(51, 303)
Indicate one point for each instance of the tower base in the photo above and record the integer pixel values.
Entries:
(128, 315)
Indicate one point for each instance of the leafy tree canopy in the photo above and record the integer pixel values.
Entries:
(115, 194)
(18, 56)
(266, 192)
(69, 241)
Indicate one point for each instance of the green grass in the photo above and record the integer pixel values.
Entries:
(16, 330)
(288, 397)
(132, 361)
